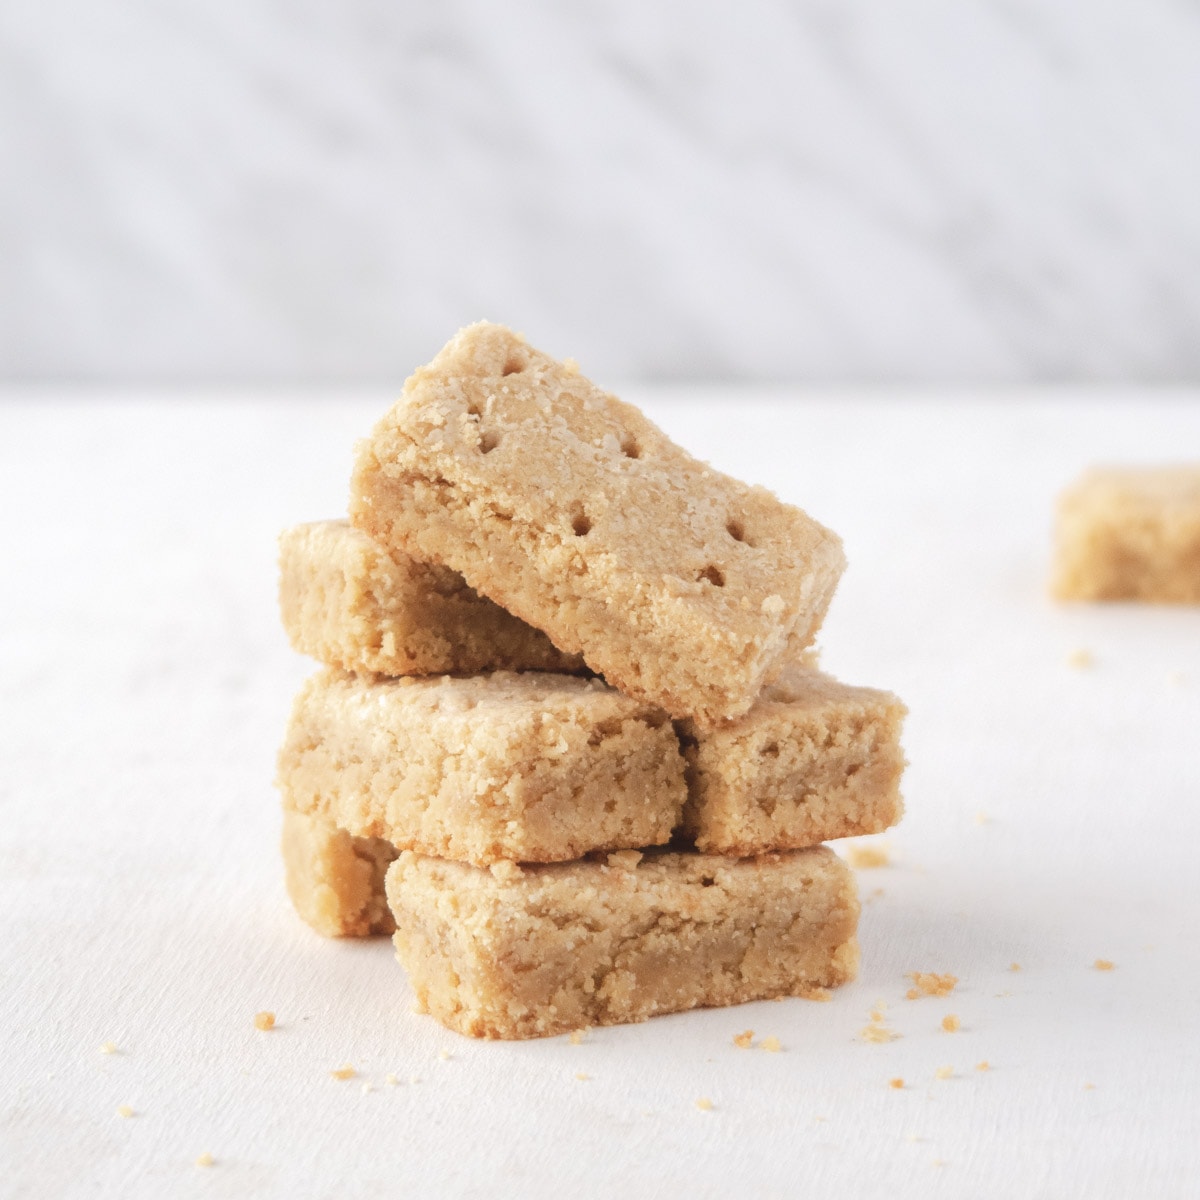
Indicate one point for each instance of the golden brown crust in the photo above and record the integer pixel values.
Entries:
(531, 767)
(1130, 533)
(680, 585)
(518, 952)
(348, 602)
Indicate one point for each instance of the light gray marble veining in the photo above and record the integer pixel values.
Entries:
(268, 190)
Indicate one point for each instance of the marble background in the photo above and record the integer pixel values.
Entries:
(292, 191)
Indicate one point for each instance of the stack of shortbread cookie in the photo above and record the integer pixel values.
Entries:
(569, 743)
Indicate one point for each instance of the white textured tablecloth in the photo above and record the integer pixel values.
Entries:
(1054, 819)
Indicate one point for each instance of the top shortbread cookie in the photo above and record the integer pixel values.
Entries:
(682, 586)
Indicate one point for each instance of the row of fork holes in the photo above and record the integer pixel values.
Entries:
(581, 526)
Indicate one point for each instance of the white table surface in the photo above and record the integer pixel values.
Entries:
(1054, 818)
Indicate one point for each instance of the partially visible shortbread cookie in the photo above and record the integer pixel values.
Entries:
(335, 880)
(533, 767)
(682, 586)
(1130, 533)
(348, 602)
(813, 760)
(519, 952)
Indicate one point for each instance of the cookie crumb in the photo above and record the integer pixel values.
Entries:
(1176, 678)
(108, 1048)
(1089, 1087)
(981, 818)
(583, 1078)
(445, 1055)
(570, 366)
(744, 1040)
(930, 983)
(205, 1159)
(625, 860)
(704, 1104)
(414, 1079)
(505, 871)
(124, 1110)
(264, 1020)
(983, 1066)
(866, 857)
(1104, 964)
(577, 1036)
(1014, 966)
(1080, 659)
(367, 1086)
(951, 1023)
(391, 1080)
(771, 1044)
(896, 1083)
(346, 1072)
(944, 1073)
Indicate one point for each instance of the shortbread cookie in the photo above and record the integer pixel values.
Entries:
(813, 760)
(680, 585)
(533, 767)
(1130, 533)
(518, 952)
(347, 601)
(335, 880)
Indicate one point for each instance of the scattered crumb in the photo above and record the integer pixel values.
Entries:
(264, 1020)
(744, 1040)
(944, 1073)
(124, 1110)
(1104, 964)
(704, 1104)
(772, 1044)
(875, 1030)
(939, 1162)
(414, 1079)
(108, 1047)
(1014, 966)
(951, 1023)
(983, 1066)
(1089, 1087)
(981, 818)
(930, 983)
(914, 1137)
(896, 1083)
(865, 857)
(391, 1080)
(367, 1086)
(205, 1159)
(577, 1036)
(346, 1072)
(820, 1118)
(445, 1055)
(582, 1077)
(1080, 659)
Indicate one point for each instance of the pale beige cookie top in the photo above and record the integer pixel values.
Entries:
(573, 511)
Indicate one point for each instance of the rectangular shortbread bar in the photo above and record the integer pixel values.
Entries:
(682, 586)
(1130, 533)
(335, 880)
(813, 760)
(349, 602)
(533, 767)
(518, 952)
